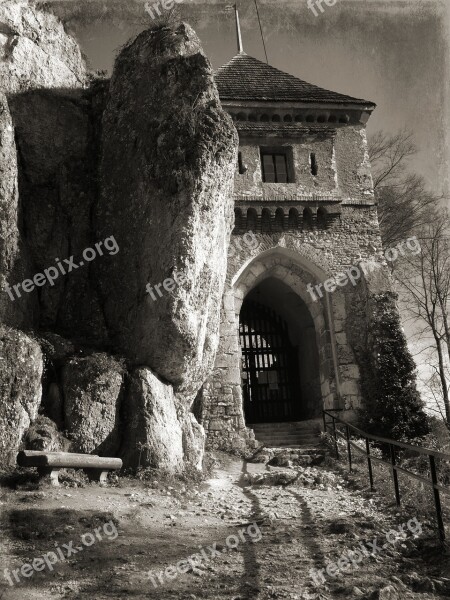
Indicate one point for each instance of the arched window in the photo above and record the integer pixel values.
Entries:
(252, 118)
(322, 218)
(332, 119)
(299, 118)
(265, 221)
(310, 119)
(322, 119)
(264, 118)
(293, 219)
(279, 219)
(287, 118)
(241, 116)
(307, 219)
(276, 118)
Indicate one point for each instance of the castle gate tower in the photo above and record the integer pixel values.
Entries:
(304, 213)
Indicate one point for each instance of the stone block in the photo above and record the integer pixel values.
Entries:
(349, 388)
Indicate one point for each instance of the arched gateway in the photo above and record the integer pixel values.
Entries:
(305, 214)
(280, 362)
(284, 340)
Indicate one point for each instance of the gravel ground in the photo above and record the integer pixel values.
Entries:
(254, 540)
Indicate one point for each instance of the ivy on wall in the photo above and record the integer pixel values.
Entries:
(392, 407)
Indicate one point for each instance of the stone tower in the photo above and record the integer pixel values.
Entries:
(304, 213)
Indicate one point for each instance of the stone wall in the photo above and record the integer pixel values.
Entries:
(341, 155)
(296, 259)
(297, 253)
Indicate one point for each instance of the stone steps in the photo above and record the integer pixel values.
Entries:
(293, 435)
(311, 424)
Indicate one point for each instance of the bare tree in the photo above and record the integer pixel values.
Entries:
(425, 282)
(404, 202)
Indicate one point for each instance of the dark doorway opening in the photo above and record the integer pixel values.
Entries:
(270, 375)
(280, 358)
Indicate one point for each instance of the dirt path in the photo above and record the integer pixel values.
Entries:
(298, 528)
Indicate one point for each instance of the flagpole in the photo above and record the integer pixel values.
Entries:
(238, 31)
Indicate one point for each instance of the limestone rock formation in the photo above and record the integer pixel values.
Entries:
(93, 390)
(39, 63)
(57, 175)
(193, 437)
(153, 435)
(9, 198)
(36, 51)
(20, 389)
(169, 152)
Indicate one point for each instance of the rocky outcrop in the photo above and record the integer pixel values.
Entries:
(54, 136)
(35, 54)
(9, 199)
(193, 438)
(20, 389)
(172, 213)
(39, 63)
(93, 388)
(156, 300)
(153, 436)
(36, 51)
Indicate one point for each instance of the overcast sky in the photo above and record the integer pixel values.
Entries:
(392, 52)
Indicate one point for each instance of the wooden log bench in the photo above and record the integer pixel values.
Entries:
(50, 463)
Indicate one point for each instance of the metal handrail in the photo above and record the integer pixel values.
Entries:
(394, 467)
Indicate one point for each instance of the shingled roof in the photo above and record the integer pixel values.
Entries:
(247, 78)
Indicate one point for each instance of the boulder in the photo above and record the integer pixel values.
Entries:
(153, 436)
(36, 51)
(44, 435)
(21, 367)
(193, 438)
(92, 388)
(173, 212)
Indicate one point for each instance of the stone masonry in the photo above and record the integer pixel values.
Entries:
(309, 229)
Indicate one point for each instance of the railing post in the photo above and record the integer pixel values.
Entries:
(394, 474)
(369, 464)
(349, 448)
(324, 421)
(437, 499)
(335, 437)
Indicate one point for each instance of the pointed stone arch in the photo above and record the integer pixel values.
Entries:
(223, 398)
(296, 272)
